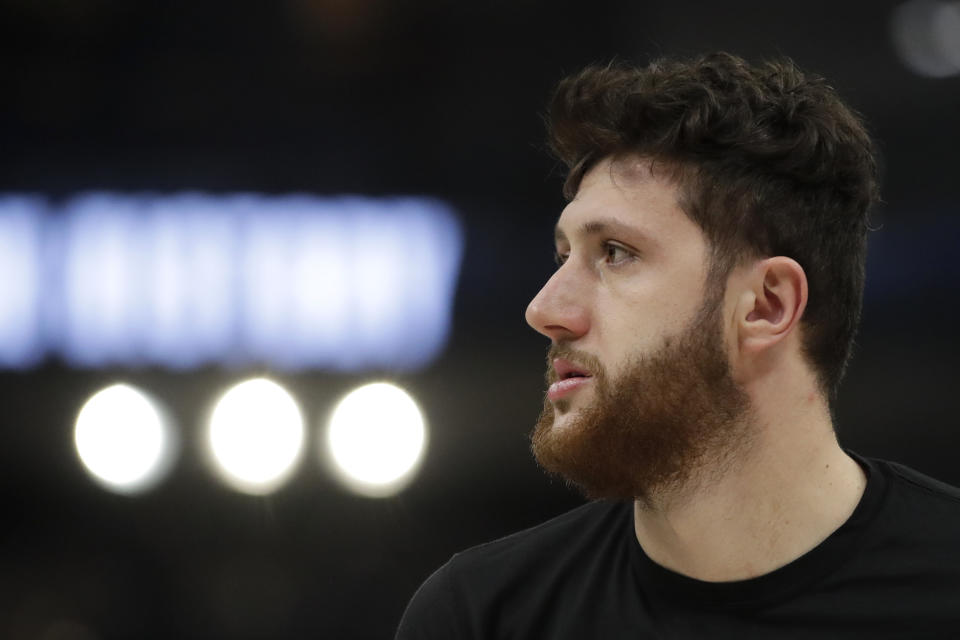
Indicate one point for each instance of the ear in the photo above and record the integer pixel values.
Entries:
(771, 304)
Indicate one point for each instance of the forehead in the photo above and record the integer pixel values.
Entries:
(628, 195)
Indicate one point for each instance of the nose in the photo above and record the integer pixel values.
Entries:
(560, 311)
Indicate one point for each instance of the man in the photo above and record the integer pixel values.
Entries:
(709, 284)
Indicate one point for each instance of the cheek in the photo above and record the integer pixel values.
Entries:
(646, 318)
(632, 333)
(643, 327)
(638, 314)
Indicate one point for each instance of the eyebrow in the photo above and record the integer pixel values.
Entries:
(602, 226)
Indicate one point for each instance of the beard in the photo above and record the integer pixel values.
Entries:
(671, 418)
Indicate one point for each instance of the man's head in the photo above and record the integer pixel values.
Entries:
(687, 177)
(768, 160)
(641, 393)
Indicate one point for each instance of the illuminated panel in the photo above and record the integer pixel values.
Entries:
(348, 283)
(294, 282)
(192, 245)
(20, 259)
(107, 296)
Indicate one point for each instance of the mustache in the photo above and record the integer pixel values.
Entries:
(580, 358)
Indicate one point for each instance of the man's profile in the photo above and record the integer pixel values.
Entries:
(710, 272)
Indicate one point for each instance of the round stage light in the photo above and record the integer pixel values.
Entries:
(375, 439)
(123, 439)
(256, 436)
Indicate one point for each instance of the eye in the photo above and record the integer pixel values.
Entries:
(615, 254)
(559, 258)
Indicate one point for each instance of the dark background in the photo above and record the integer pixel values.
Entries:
(379, 97)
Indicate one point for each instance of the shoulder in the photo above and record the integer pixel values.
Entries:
(912, 493)
(432, 612)
(565, 533)
(467, 597)
(908, 551)
(914, 481)
(918, 511)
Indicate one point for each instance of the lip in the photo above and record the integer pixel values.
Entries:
(563, 388)
(565, 368)
(570, 377)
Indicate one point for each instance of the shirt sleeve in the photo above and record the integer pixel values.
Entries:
(432, 612)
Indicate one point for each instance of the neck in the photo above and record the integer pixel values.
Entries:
(781, 498)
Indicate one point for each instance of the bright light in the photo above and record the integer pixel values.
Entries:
(123, 440)
(105, 300)
(20, 262)
(376, 438)
(193, 247)
(926, 34)
(183, 280)
(256, 436)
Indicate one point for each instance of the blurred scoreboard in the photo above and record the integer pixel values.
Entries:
(339, 283)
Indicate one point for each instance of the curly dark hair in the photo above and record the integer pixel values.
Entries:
(768, 161)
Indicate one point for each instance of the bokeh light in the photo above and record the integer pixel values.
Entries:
(256, 436)
(926, 35)
(376, 439)
(344, 283)
(123, 439)
(21, 222)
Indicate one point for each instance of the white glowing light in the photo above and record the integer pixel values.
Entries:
(20, 264)
(946, 32)
(926, 34)
(376, 439)
(256, 436)
(106, 301)
(123, 439)
(183, 280)
(192, 247)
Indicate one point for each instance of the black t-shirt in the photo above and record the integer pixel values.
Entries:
(891, 571)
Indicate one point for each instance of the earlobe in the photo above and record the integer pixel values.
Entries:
(778, 297)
